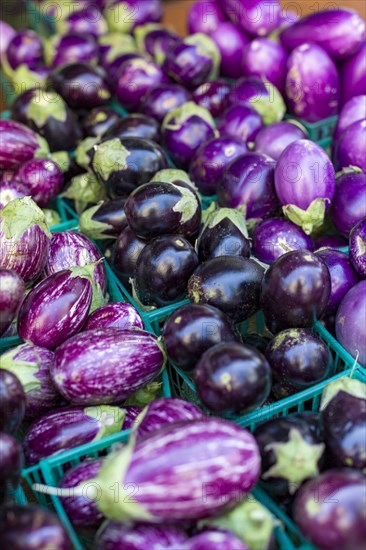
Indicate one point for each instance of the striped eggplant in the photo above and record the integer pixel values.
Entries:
(12, 291)
(31, 364)
(214, 540)
(132, 413)
(115, 536)
(57, 307)
(68, 427)
(24, 238)
(43, 179)
(19, 144)
(106, 365)
(11, 190)
(105, 220)
(115, 315)
(187, 471)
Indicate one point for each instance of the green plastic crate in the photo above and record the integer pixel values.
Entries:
(318, 131)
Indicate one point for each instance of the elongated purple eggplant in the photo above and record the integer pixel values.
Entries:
(212, 95)
(42, 179)
(349, 204)
(11, 463)
(24, 238)
(133, 356)
(105, 220)
(114, 315)
(99, 120)
(18, 144)
(164, 98)
(125, 253)
(114, 535)
(240, 122)
(349, 149)
(357, 247)
(352, 73)
(68, 427)
(214, 540)
(12, 291)
(12, 402)
(135, 125)
(350, 326)
(272, 140)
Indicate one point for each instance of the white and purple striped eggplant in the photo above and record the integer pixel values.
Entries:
(115, 315)
(19, 144)
(132, 413)
(57, 307)
(107, 365)
(12, 290)
(70, 427)
(114, 535)
(31, 364)
(24, 238)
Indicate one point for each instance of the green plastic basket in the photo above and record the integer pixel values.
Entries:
(318, 131)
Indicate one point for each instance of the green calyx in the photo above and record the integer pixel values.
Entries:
(206, 47)
(119, 44)
(47, 105)
(187, 204)
(25, 371)
(179, 116)
(272, 108)
(310, 219)
(145, 395)
(119, 17)
(62, 159)
(19, 215)
(173, 175)
(85, 189)
(235, 216)
(110, 419)
(87, 272)
(94, 229)
(81, 153)
(110, 156)
(348, 385)
(52, 217)
(141, 31)
(49, 48)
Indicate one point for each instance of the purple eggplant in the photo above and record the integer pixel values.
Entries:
(19, 144)
(338, 31)
(7, 33)
(230, 283)
(306, 187)
(124, 164)
(224, 234)
(124, 15)
(274, 237)
(291, 451)
(205, 17)
(342, 276)
(221, 458)
(87, 20)
(31, 527)
(67, 428)
(191, 330)
(351, 112)
(211, 96)
(210, 160)
(119, 315)
(258, 18)
(10, 190)
(162, 270)
(72, 48)
(232, 378)
(248, 182)
(155, 40)
(106, 220)
(174, 176)
(230, 41)
(266, 59)
(164, 98)
(24, 238)
(357, 247)
(335, 517)
(115, 535)
(272, 140)
(350, 322)
(184, 129)
(349, 150)
(11, 463)
(240, 122)
(135, 125)
(12, 292)
(99, 120)
(71, 249)
(125, 253)
(330, 241)
(132, 412)
(312, 83)
(113, 68)
(214, 540)
(12, 402)
(295, 291)
(133, 356)
(349, 204)
(352, 75)
(25, 48)
(159, 208)
(42, 178)
(299, 359)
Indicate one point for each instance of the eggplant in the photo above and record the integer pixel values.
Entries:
(106, 220)
(330, 241)
(24, 239)
(232, 378)
(119, 315)
(71, 48)
(224, 234)
(272, 140)
(132, 412)
(7, 33)
(299, 359)
(159, 208)
(125, 253)
(42, 178)
(12, 402)
(115, 535)
(349, 204)
(212, 95)
(164, 98)
(357, 247)
(133, 356)
(349, 149)
(351, 112)
(352, 74)
(124, 164)
(19, 144)
(214, 540)
(335, 518)
(291, 452)
(114, 66)
(31, 527)
(155, 40)
(67, 428)
(350, 325)
(11, 463)
(99, 120)
(240, 122)
(135, 125)
(266, 59)
(202, 465)
(258, 18)
(205, 18)
(12, 292)
(257, 341)
(230, 41)
(124, 15)
(84, 190)
(249, 182)
(162, 270)
(230, 283)
(25, 48)
(87, 20)
(11, 190)
(295, 291)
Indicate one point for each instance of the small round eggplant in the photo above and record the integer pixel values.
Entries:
(132, 412)
(295, 291)
(258, 18)
(349, 150)
(241, 122)
(232, 378)
(272, 140)
(99, 120)
(12, 402)
(155, 40)
(42, 178)
(114, 66)
(193, 329)
(119, 315)
(266, 59)
(135, 125)
(19, 144)
(163, 99)
(205, 18)
(11, 462)
(87, 20)
(125, 253)
(163, 269)
(350, 322)
(71, 48)
(211, 96)
(214, 539)
(159, 208)
(25, 48)
(224, 234)
(230, 283)
(357, 247)
(124, 164)
(123, 16)
(231, 41)
(349, 204)
(104, 221)
(12, 292)
(299, 359)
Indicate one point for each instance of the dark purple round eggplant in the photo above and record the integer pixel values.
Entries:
(210, 160)
(10, 189)
(163, 99)
(292, 450)
(342, 276)
(123, 16)
(115, 535)
(12, 402)
(240, 121)
(159, 208)
(42, 178)
(193, 329)
(224, 234)
(349, 204)
(12, 292)
(124, 164)
(135, 125)
(299, 359)
(125, 253)
(115, 314)
(357, 247)
(295, 291)
(330, 241)
(11, 463)
(19, 144)
(272, 140)
(104, 221)
(155, 40)
(113, 67)
(71, 48)
(163, 269)
(81, 85)
(87, 19)
(25, 48)
(350, 322)
(230, 283)
(232, 378)
(211, 96)
(99, 120)
(330, 510)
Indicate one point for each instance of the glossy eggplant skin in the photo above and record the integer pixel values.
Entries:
(125, 253)
(164, 98)
(233, 378)
(135, 125)
(299, 359)
(12, 402)
(120, 315)
(104, 221)
(193, 329)
(230, 283)
(99, 120)
(115, 535)
(357, 246)
(12, 292)
(222, 239)
(11, 462)
(295, 291)
(163, 269)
